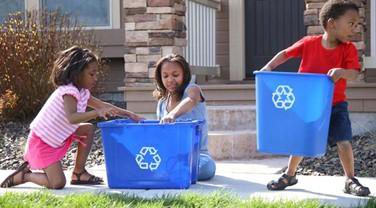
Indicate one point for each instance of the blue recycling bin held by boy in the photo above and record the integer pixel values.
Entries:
(293, 113)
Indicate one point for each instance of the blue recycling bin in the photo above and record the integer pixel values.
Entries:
(293, 112)
(149, 155)
(196, 153)
(196, 147)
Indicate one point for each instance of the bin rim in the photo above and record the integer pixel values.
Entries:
(151, 122)
(293, 73)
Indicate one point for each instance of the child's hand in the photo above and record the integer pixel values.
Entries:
(266, 68)
(124, 113)
(168, 119)
(336, 74)
(136, 117)
(106, 112)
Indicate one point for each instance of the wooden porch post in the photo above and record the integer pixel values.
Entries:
(237, 41)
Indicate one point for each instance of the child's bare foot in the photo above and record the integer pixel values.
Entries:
(17, 177)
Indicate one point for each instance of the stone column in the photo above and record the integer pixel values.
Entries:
(153, 29)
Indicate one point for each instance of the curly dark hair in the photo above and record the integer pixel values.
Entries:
(160, 92)
(334, 9)
(69, 65)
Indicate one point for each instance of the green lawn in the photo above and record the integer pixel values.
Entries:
(218, 199)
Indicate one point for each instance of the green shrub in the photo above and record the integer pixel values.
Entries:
(28, 47)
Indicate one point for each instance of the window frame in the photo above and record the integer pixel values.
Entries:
(31, 5)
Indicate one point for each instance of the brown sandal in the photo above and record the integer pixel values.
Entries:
(93, 180)
(352, 186)
(9, 181)
(282, 182)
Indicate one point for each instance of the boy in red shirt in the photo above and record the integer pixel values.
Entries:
(331, 53)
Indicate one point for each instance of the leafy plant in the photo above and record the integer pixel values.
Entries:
(28, 48)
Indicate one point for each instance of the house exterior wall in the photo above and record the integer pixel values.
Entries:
(311, 19)
(153, 29)
(361, 95)
(370, 41)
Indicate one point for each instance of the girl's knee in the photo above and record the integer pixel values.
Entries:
(90, 131)
(86, 130)
(57, 184)
(207, 167)
(89, 128)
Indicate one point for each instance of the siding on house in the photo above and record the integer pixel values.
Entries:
(200, 21)
(222, 32)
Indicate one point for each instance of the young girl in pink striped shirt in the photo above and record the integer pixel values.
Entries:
(61, 121)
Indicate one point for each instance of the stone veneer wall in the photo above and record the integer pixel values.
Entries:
(153, 29)
(311, 20)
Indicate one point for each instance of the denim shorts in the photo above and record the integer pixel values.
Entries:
(340, 125)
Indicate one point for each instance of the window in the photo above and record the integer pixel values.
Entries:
(96, 14)
(10, 6)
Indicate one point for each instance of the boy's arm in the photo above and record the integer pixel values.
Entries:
(96, 103)
(340, 73)
(277, 60)
(186, 105)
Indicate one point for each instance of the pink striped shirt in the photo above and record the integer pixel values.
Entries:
(51, 123)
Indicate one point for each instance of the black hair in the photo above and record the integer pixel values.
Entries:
(160, 91)
(70, 64)
(334, 9)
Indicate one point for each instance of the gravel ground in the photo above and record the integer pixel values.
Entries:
(364, 148)
(13, 137)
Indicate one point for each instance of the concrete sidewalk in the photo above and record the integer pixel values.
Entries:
(243, 178)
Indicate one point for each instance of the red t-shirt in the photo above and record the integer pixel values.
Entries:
(317, 59)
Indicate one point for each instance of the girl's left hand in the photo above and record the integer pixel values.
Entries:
(168, 119)
(106, 112)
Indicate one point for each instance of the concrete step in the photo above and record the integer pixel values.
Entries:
(232, 118)
(233, 145)
(139, 98)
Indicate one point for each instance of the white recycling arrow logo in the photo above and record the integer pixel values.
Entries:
(283, 97)
(145, 165)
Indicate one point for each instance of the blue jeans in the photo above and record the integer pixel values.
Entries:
(206, 169)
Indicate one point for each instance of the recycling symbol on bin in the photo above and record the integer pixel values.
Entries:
(145, 151)
(283, 97)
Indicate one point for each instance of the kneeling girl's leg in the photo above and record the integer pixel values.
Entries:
(206, 167)
(53, 177)
(80, 175)
(86, 132)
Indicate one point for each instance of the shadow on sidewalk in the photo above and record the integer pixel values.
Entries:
(235, 186)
